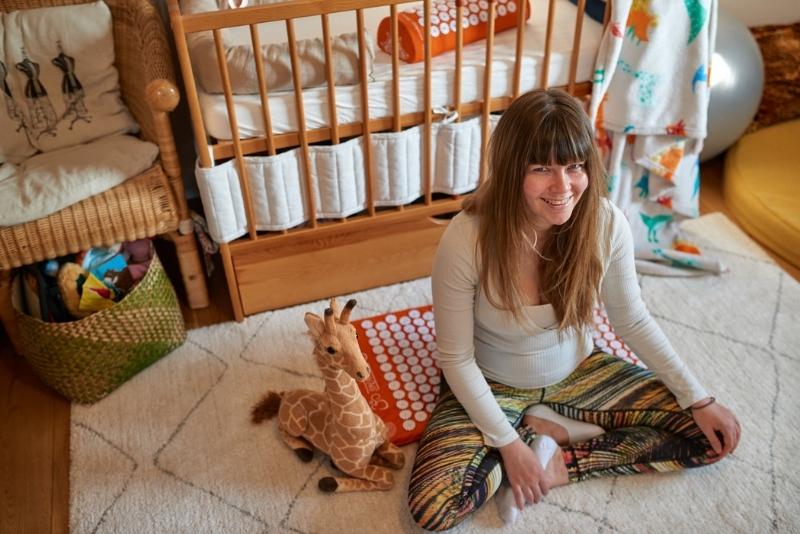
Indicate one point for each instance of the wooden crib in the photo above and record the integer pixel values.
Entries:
(378, 245)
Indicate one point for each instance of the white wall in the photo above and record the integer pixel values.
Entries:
(761, 12)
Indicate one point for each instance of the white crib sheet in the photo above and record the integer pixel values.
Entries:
(348, 98)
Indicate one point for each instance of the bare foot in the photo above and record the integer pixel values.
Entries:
(549, 428)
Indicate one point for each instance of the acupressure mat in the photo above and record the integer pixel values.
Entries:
(401, 350)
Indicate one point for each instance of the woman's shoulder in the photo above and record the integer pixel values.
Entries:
(611, 217)
(608, 210)
(464, 226)
(614, 227)
(460, 237)
(457, 251)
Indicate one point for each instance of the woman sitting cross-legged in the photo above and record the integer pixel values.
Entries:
(526, 397)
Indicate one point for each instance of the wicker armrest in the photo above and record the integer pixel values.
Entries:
(147, 81)
(142, 56)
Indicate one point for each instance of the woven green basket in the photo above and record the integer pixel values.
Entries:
(85, 360)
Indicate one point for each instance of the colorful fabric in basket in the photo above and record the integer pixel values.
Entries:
(87, 359)
(411, 26)
(404, 385)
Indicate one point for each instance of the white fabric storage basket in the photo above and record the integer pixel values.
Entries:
(338, 180)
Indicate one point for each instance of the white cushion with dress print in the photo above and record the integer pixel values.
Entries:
(62, 136)
(60, 63)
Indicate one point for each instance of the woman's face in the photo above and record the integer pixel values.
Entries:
(553, 191)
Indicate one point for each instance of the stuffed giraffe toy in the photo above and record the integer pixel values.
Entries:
(339, 421)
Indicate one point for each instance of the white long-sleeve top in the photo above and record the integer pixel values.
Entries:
(477, 341)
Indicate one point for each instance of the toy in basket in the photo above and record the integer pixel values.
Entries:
(87, 359)
(338, 421)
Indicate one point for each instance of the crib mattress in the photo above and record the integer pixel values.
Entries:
(348, 98)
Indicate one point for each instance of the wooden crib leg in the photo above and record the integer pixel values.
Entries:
(7, 315)
(233, 286)
(194, 278)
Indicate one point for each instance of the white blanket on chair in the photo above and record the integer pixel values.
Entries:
(49, 182)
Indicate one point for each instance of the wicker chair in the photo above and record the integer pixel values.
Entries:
(150, 204)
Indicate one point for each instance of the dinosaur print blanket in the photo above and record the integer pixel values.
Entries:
(649, 103)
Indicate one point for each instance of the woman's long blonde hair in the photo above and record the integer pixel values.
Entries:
(540, 127)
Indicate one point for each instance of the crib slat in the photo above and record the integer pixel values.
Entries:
(548, 44)
(460, 4)
(426, 153)
(397, 124)
(182, 49)
(262, 88)
(487, 91)
(576, 46)
(521, 11)
(301, 122)
(395, 68)
(244, 181)
(334, 121)
(362, 63)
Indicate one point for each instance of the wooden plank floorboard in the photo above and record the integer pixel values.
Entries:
(34, 450)
(34, 421)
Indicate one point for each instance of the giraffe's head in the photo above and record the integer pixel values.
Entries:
(336, 342)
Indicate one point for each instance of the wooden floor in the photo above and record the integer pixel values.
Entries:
(34, 422)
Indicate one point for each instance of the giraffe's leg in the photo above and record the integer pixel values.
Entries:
(369, 477)
(300, 419)
(301, 447)
(391, 455)
(377, 460)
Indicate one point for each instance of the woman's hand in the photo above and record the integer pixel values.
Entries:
(525, 473)
(719, 425)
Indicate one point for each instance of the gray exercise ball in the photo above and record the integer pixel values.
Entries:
(737, 77)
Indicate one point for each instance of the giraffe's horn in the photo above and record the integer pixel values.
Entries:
(345, 317)
(329, 320)
(335, 306)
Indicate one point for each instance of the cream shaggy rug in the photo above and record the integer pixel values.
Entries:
(173, 449)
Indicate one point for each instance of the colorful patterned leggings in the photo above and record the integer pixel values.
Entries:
(646, 431)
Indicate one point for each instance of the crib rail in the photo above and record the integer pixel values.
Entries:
(212, 151)
(289, 9)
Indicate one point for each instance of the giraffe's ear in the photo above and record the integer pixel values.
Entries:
(315, 324)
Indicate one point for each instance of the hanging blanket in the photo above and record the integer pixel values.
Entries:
(649, 104)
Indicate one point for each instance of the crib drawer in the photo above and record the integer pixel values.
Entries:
(347, 261)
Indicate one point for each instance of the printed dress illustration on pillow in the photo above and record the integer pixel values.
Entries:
(12, 109)
(59, 62)
(72, 90)
(15, 145)
(41, 118)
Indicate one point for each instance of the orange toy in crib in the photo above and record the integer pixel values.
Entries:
(411, 26)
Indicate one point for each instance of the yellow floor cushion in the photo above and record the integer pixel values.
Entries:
(762, 187)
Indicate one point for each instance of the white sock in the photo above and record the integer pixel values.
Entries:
(577, 430)
(544, 447)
